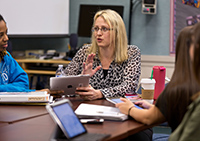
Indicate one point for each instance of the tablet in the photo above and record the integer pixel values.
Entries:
(67, 121)
(69, 83)
(116, 100)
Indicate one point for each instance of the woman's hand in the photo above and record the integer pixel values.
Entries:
(87, 66)
(144, 104)
(88, 93)
(125, 105)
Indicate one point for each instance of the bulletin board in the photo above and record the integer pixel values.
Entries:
(179, 14)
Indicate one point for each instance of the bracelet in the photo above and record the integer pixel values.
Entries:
(130, 110)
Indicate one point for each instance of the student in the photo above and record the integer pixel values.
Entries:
(114, 66)
(13, 77)
(188, 130)
(172, 103)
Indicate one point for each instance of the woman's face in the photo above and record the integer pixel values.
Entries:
(102, 32)
(3, 36)
(191, 51)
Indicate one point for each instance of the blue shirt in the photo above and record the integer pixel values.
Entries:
(13, 77)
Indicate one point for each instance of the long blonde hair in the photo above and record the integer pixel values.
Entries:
(118, 35)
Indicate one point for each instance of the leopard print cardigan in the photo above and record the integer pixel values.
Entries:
(121, 78)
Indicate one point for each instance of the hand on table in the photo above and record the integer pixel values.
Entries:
(124, 106)
(143, 103)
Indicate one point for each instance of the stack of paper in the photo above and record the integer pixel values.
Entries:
(99, 111)
(25, 97)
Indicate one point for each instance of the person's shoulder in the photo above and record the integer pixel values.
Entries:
(8, 56)
(132, 49)
(85, 46)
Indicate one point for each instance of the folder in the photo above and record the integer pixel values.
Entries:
(99, 111)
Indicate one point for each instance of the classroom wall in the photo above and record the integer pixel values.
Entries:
(149, 32)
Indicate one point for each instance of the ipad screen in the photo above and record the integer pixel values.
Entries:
(69, 120)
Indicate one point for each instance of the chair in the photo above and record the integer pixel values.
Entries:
(73, 41)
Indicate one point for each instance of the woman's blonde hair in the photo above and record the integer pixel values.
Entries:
(118, 35)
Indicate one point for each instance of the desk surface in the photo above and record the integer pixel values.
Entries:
(34, 129)
(42, 127)
(11, 113)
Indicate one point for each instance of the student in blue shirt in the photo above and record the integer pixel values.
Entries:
(13, 77)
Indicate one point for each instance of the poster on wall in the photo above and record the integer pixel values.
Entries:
(180, 18)
(191, 20)
(194, 3)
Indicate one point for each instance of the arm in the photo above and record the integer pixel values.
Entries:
(146, 116)
(17, 79)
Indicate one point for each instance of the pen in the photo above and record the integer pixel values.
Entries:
(109, 113)
(99, 121)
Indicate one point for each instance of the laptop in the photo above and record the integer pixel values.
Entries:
(69, 83)
(70, 125)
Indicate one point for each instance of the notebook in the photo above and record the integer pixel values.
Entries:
(63, 114)
(69, 83)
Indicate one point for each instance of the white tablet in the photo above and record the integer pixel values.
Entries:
(69, 83)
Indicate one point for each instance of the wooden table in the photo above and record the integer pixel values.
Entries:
(41, 127)
(33, 129)
(10, 113)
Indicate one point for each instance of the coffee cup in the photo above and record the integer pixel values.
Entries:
(148, 86)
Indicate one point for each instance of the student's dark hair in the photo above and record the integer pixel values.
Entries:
(196, 56)
(1, 18)
(182, 84)
(196, 63)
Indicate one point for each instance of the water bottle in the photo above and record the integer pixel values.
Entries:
(159, 76)
(60, 71)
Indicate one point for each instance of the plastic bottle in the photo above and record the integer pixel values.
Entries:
(159, 76)
(60, 71)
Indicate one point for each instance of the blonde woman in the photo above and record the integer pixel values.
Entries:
(114, 66)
